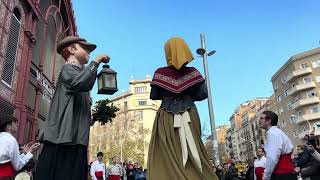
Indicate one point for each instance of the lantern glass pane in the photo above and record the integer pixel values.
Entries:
(100, 83)
(110, 81)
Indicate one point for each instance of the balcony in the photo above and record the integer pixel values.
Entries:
(306, 101)
(299, 72)
(308, 117)
(300, 87)
(303, 134)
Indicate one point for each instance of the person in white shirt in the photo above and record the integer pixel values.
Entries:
(278, 150)
(259, 164)
(115, 170)
(10, 158)
(98, 169)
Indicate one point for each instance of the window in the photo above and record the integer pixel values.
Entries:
(293, 119)
(6, 108)
(310, 94)
(284, 79)
(140, 90)
(316, 63)
(303, 65)
(303, 128)
(283, 124)
(289, 105)
(125, 105)
(140, 128)
(49, 45)
(12, 46)
(286, 92)
(293, 85)
(142, 102)
(307, 79)
(317, 78)
(140, 115)
(314, 109)
(279, 98)
(275, 87)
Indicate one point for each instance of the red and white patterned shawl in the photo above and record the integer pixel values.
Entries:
(175, 80)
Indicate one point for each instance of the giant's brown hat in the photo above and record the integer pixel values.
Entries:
(74, 39)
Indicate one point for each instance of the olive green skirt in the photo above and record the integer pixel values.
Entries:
(165, 153)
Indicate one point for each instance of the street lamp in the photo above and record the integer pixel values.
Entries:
(202, 52)
(107, 81)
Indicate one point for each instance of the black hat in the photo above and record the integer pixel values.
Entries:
(74, 39)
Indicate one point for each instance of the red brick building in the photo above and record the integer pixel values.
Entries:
(29, 64)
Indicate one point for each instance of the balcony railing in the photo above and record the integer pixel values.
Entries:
(299, 72)
(308, 117)
(301, 86)
(306, 101)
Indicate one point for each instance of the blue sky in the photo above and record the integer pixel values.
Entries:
(253, 39)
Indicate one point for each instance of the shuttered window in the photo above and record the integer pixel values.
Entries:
(11, 52)
(6, 108)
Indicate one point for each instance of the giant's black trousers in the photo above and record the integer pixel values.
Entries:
(62, 162)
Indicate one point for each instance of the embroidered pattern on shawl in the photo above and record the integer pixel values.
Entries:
(176, 81)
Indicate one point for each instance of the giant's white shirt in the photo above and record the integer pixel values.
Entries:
(277, 144)
(9, 151)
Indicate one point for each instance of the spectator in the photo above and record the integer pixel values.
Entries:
(220, 172)
(140, 175)
(304, 158)
(250, 170)
(98, 169)
(10, 158)
(259, 164)
(232, 172)
(115, 170)
(315, 154)
(312, 171)
(130, 171)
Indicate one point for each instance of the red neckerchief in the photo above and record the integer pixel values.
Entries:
(175, 80)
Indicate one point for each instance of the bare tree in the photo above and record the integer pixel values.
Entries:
(123, 137)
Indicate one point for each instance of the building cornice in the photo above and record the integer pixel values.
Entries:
(296, 57)
(133, 82)
(123, 95)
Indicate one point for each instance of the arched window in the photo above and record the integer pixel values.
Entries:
(12, 46)
(50, 43)
(59, 61)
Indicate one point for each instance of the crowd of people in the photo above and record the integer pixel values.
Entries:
(279, 158)
(306, 163)
(176, 151)
(116, 170)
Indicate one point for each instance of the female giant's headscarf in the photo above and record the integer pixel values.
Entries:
(177, 52)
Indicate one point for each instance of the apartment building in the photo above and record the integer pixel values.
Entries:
(259, 134)
(296, 89)
(242, 137)
(137, 114)
(221, 132)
